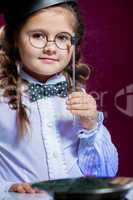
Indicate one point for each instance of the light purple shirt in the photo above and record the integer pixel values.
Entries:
(55, 147)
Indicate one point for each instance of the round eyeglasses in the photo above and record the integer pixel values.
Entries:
(63, 40)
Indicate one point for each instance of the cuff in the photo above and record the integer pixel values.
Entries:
(5, 187)
(84, 133)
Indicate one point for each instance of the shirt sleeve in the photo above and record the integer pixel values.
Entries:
(5, 185)
(97, 155)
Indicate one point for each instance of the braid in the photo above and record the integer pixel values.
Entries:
(22, 118)
(10, 83)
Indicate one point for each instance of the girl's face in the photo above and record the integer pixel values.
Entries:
(48, 60)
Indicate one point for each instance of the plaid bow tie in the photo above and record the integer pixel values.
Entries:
(38, 91)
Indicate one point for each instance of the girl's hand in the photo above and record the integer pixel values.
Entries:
(24, 188)
(84, 106)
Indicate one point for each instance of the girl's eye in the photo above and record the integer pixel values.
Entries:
(63, 37)
(37, 36)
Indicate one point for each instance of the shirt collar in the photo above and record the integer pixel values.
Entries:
(53, 80)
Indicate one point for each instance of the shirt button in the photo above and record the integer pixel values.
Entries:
(55, 154)
(50, 124)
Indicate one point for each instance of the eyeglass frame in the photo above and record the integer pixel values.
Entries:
(74, 40)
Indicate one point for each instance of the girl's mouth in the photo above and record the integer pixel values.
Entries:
(49, 60)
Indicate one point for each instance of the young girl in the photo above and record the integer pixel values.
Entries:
(48, 129)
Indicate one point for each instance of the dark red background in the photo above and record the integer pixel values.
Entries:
(108, 49)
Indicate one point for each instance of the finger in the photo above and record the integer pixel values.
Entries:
(78, 112)
(77, 107)
(77, 100)
(81, 97)
(82, 105)
(28, 188)
(76, 94)
(81, 113)
(19, 189)
(13, 188)
(81, 94)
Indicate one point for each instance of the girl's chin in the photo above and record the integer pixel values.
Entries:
(48, 74)
(40, 75)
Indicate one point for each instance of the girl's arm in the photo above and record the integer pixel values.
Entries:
(97, 155)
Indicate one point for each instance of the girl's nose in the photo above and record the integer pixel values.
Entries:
(50, 47)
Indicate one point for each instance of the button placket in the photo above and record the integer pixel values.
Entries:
(59, 155)
(55, 157)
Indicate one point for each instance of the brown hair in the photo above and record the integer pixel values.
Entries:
(10, 80)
